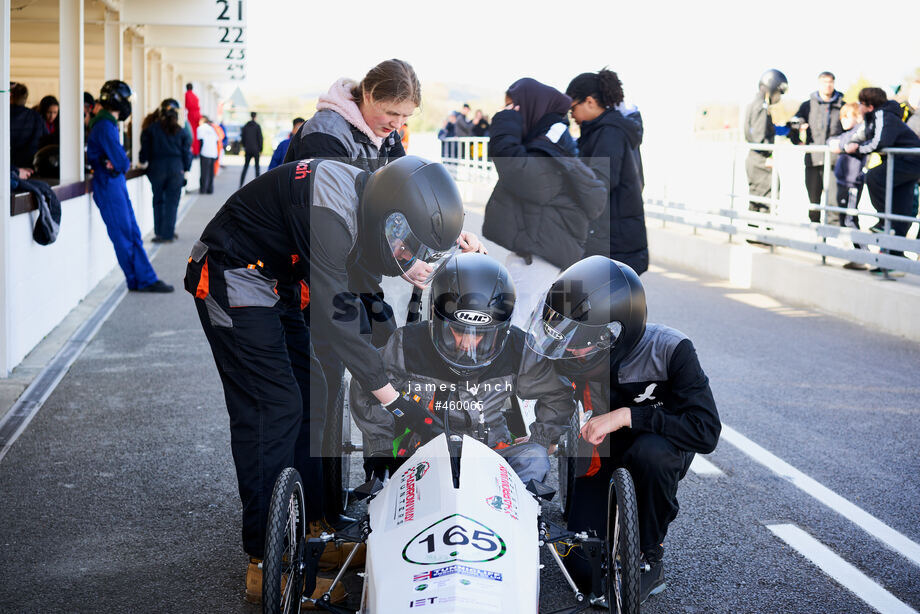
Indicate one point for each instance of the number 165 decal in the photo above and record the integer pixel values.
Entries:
(454, 538)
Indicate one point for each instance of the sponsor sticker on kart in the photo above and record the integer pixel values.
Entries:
(462, 570)
(408, 492)
(506, 500)
(454, 538)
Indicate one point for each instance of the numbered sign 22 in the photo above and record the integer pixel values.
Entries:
(455, 538)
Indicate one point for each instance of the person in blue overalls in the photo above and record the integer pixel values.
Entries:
(110, 192)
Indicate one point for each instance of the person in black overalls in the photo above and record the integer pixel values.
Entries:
(278, 244)
(645, 388)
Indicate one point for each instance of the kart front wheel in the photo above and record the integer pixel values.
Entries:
(285, 543)
(623, 554)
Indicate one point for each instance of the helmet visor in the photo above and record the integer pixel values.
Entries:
(557, 337)
(417, 261)
(465, 346)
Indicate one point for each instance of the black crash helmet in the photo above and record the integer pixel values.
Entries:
(115, 95)
(472, 298)
(47, 162)
(591, 317)
(410, 217)
(774, 84)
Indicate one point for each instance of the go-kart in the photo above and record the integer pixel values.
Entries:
(454, 530)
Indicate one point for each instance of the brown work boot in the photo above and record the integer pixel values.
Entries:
(322, 585)
(334, 556)
(254, 581)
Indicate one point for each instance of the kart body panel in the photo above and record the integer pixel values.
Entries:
(438, 549)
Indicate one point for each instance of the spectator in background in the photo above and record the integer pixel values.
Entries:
(165, 147)
(848, 170)
(252, 145)
(281, 149)
(609, 143)
(221, 143)
(480, 124)
(464, 125)
(817, 120)
(545, 197)
(759, 128)
(26, 127)
(884, 128)
(447, 131)
(207, 148)
(48, 108)
(110, 192)
(193, 115)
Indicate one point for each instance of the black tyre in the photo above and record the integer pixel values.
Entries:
(285, 543)
(334, 495)
(622, 545)
(568, 448)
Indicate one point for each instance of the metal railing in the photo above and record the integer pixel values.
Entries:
(786, 224)
(783, 225)
(467, 158)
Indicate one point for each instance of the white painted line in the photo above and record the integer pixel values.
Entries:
(845, 574)
(701, 466)
(866, 521)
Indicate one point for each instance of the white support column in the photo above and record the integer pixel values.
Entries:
(142, 106)
(71, 90)
(5, 291)
(166, 81)
(156, 78)
(114, 46)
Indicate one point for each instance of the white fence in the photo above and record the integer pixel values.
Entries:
(704, 185)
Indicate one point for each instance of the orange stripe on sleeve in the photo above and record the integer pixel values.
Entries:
(203, 282)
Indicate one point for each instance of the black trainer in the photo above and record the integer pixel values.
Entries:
(159, 286)
(651, 582)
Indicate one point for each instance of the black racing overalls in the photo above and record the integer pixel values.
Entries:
(249, 275)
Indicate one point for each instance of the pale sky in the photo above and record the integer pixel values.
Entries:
(671, 56)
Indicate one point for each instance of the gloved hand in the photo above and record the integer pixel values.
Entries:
(410, 415)
(379, 464)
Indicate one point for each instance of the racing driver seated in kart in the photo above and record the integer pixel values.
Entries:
(466, 358)
(645, 388)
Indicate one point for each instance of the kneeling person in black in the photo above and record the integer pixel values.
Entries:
(278, 244)
(645, 388)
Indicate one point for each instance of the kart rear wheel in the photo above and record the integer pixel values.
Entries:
(622, 545)
(285, 543)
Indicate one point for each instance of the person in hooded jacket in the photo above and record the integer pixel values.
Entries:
(818, 119)
(649, 399)
(611, 142)
(884, 128)
(166, 148)
(110, 191)
(545, 197)
(358, 123)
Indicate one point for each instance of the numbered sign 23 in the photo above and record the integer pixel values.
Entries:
(455, 538)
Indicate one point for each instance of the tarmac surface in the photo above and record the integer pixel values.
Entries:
(121, 496)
